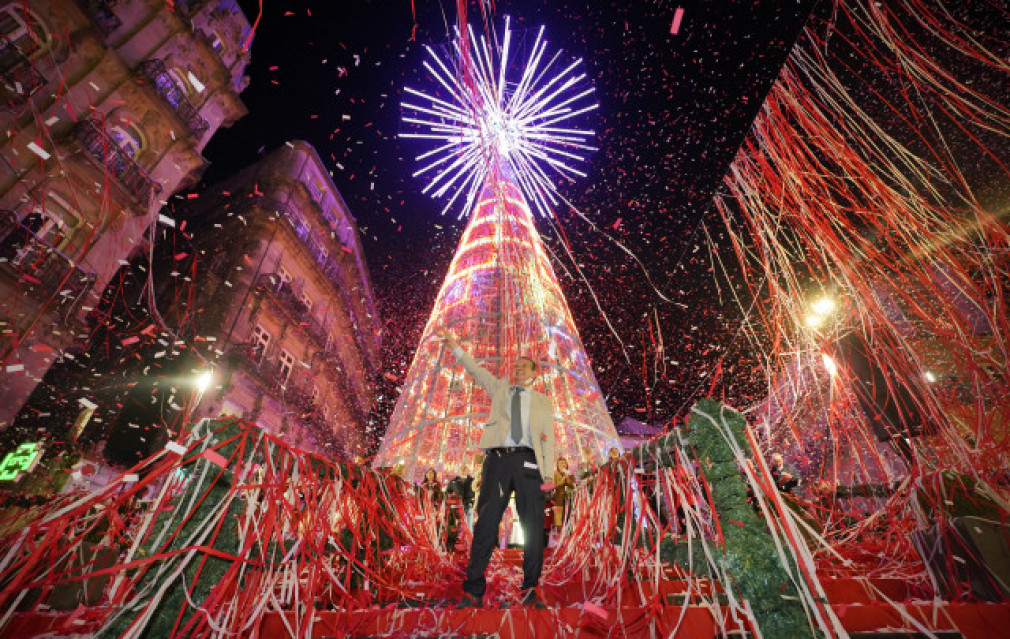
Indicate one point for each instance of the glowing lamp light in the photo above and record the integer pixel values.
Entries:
(820, 311)
(203, 380)
(930, 376)
(829, 364)
(823, 306)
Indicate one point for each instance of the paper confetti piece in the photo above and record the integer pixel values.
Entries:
(86, 403)
(131, 478)
(199, 86)
(593, 609)
(175, 447)
(39, 151)
(678, 15)
(215, 457)
(14, 368)
(167, 221)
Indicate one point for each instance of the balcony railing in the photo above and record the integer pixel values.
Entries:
(266, 373)
(21, 79)
(107, 153)
(101, 14)
(324, 260)
(157, 73)
(283, 294)
(38, 265)
(295, 308)
(324, 433)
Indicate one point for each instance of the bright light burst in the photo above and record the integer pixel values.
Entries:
(516, 118)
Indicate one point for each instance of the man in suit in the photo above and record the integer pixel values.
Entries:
(518, 445)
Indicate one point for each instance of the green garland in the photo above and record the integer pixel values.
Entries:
(213, 568)
(749, 556)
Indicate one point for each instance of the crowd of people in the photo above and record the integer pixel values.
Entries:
(669, 499)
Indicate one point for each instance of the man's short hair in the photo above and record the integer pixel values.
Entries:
(532, 361)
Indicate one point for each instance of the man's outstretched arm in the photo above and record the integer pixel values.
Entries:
(481, 375)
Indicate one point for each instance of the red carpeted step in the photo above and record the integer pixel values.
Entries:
(519, 623)
(865, 590)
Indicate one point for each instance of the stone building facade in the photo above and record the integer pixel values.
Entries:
(105, 109)
(288, 318)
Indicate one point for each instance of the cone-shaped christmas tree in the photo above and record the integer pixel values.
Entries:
(503, 125)
(502, 300)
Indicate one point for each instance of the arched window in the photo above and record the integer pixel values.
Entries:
(179, 80)
(128, 137)
(216, 42)
(259, 343)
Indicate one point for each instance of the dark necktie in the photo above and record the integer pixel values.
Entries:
(517, 415)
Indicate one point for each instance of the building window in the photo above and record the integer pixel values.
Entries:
(178, 80)
(316, 190)
(128, 138)
(20, 33)
(287, 364)
(307, 301)
(284, 278)
(173, 86)
(216, 42)
(39, 231)
(260, 341)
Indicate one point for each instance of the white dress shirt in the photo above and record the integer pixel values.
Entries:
(524, 406)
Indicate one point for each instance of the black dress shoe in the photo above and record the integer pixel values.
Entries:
(530, 600)
(469, 601)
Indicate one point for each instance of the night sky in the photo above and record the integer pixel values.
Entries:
(673, 110)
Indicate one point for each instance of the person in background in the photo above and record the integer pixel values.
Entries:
(431, 488)
(564, 484)
(785, 479)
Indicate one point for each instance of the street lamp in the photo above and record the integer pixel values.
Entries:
(820, 310)
(203, 381)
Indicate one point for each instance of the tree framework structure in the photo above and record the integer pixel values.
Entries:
(503, 300)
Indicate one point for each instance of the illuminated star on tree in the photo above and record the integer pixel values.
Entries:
(499, 110)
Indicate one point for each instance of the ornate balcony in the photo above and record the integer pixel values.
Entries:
(335, 442)
(41, 268)
(104, 150)
(21, 79)
(297, 311)
(320, 253)
(101, 14)
(156, 72)
(283, 294)
(267, 373)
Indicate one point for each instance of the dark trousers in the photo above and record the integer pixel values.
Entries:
(503, 473)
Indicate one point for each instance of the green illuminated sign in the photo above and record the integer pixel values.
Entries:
(20, 460)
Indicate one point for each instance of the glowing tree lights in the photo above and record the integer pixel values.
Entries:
(497, 140)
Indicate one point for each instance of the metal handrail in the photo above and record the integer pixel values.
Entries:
(107, 153)
(36, 262)
(156, 71)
